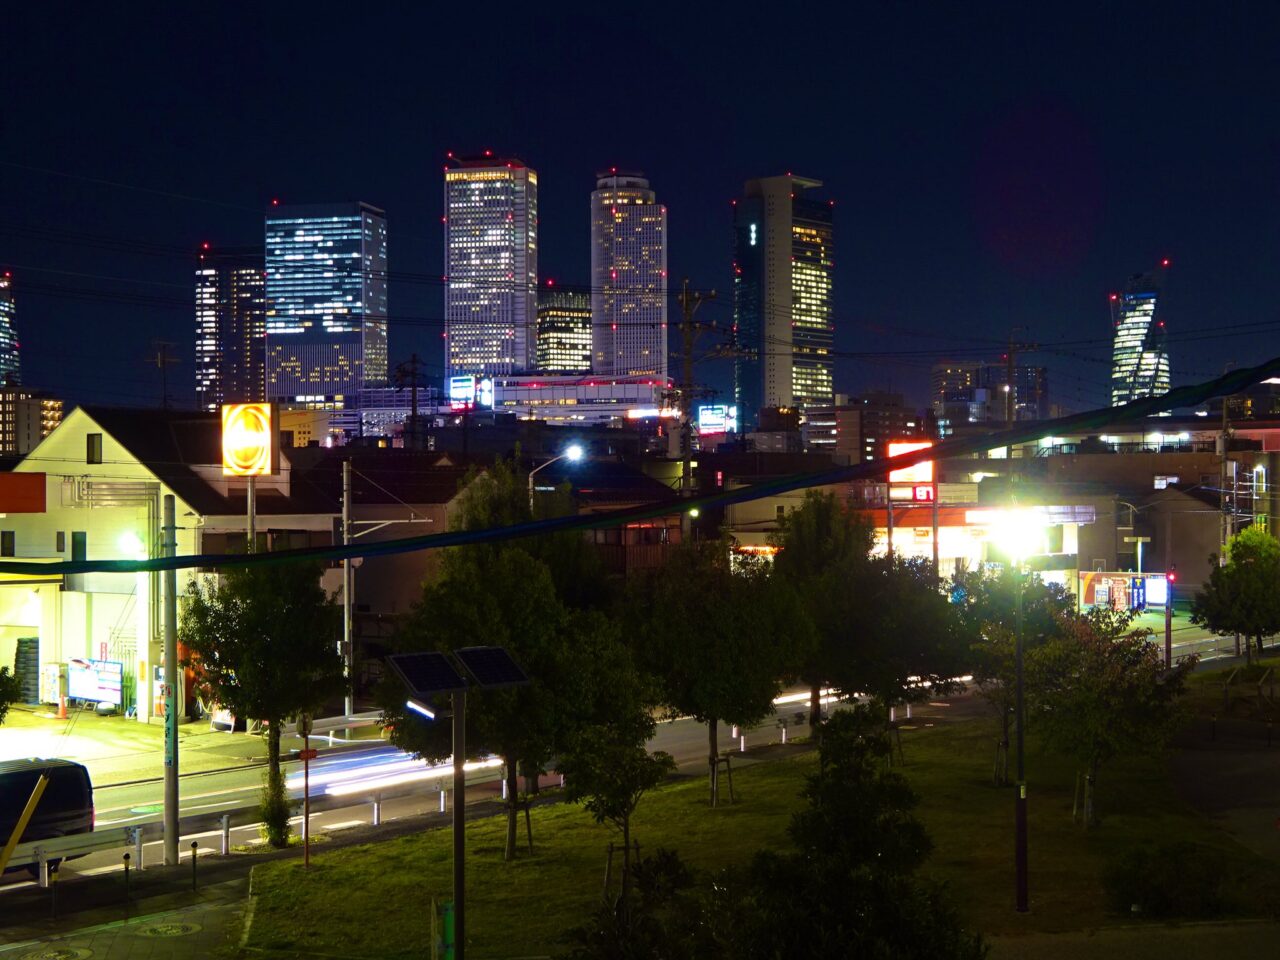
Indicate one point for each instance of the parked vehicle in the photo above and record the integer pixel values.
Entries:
(65, 807)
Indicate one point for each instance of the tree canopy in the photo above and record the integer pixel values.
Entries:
(1243, 596)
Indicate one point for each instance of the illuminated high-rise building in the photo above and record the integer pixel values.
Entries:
(1140, 357)
(10, 367)
(26, 417)
(782, 305)
(326, 310)
(490, 265)
(564, 331)
(230, 326)
(628, 277)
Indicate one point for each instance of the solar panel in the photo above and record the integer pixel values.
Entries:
(492, 667)
(426, 674)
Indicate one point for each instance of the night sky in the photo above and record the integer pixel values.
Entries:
(992, 167)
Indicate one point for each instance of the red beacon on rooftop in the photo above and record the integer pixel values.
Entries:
(1164, 262)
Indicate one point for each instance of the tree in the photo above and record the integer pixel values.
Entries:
(1243, 597)
(818, 544)
(1095, 695)
(712, 638)
(847, 890)
(10, 691)
(987, 606)
(502, 598)
(607, 769)
(263, 644)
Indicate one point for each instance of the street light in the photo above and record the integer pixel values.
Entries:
(1020, 533)
(573, 453)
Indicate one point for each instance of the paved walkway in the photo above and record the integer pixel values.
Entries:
(185, 926)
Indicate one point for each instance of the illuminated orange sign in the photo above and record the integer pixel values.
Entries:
(921, 472)
(250, 442)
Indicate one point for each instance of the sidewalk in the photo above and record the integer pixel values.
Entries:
(118, 750)
(177, 926)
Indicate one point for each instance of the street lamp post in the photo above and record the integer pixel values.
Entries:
(572, 453)
(1021, 535)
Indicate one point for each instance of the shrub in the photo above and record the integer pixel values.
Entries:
(1173, 880)
(273, 808)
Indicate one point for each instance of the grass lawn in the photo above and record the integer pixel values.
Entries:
(971, 823)
(373, 901)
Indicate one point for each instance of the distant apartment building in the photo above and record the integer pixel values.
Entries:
(326, 300)
(26, 417)
(230, 326)
(491, 266)
(971, 391)
(628, 277)
(782, 297)
(564, 331)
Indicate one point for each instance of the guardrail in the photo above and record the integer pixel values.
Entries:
(39, 853)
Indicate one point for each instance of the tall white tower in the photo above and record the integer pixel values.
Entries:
(628, 278)
(491, 266)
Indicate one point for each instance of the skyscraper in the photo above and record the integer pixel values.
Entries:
(1140, 358)
(490, 265)
(782, 307)
(230, 326)
(628, 277)
(326, 292)
(10, 366)
(564, 331)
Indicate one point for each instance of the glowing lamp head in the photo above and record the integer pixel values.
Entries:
(1020, 534)
(131, 546)
(574, 452)
(694, 512)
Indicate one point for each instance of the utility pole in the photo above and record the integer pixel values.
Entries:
(170, 578)
(407, 372)
(345, 648)
(162, 361)
(689, 304)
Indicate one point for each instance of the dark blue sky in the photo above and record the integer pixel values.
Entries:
(992, 166)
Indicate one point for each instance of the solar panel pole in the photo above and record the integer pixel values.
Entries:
(459, 824)
(348, 584)
(171, 687)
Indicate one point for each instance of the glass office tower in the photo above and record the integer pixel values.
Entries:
(10, 367)
(326, 292)
(491, 266)
(230, 326)
(564, 331)
(782, 297)
(628, 277)
(1140, 357)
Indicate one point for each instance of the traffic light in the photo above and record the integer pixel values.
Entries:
(1173, 573)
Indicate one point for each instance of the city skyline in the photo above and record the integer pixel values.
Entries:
(940, 253)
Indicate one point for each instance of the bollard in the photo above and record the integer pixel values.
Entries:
(226, 834)
(908, 710)
(736, 732)
(562, 781)
(126, 878)
(742, 743)
(137, 847)
(893, 714)
(504, 788)
(784, 733)
(194, 846)
(443, 799)
(377, 809)
(53, 889)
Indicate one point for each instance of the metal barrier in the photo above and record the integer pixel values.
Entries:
(39, 853)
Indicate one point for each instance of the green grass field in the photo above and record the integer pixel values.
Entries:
(373, 901)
